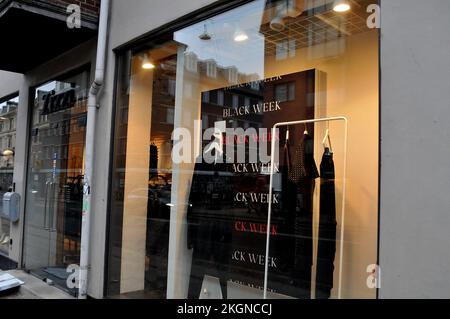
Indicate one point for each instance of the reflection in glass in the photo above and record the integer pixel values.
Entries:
(55, 179)
(8, 119)
(197, 229)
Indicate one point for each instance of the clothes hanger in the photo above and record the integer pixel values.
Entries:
(325, 139)
(287, 134)
(306, 130)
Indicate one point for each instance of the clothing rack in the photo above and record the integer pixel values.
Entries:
(269, 213)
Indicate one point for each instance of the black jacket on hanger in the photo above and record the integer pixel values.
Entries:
(327, 228)
(303, 174)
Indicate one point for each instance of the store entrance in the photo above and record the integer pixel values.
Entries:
(55, 180)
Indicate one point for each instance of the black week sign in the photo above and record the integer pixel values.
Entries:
(228, 218)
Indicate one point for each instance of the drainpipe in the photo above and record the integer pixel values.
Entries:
(89, 153)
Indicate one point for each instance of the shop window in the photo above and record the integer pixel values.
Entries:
(220, 98)
(190, 204)
(171, 87)
(285, 92)
(205, 98)
(285, 49)
(170, 116)
(211, 68)
(235, 101)
(191, 62)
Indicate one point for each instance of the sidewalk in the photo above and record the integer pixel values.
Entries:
(33, 288)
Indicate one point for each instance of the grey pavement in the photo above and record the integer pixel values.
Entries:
(33, 288)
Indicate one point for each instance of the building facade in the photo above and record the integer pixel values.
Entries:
(242, 149)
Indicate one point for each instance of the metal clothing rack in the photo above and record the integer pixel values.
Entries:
(269, 213)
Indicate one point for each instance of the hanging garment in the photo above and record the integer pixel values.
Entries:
(286, 236)
(303, 174)
(287, 184)
(327, 228)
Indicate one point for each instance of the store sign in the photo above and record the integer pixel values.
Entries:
(227, 215)
(58, 102)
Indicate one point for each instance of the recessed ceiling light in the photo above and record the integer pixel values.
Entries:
(240, 36)
(341, 5)
(147, 64)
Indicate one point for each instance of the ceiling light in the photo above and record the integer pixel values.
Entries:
(240, 36)
(341, 5)
(147, 64)
(205, 36)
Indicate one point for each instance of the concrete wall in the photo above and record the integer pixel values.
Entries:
(415, 149)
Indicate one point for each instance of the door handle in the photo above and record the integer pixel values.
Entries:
(52, 212)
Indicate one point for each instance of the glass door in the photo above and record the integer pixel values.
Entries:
(55, 179)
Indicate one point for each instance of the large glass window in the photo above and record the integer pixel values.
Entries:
(201, 134)
(8, 116)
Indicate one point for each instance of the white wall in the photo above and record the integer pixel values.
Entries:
(9, 83)
(134, 232)
(415, 149)
(133, 18)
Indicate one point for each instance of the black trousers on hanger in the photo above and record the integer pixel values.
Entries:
(327, 228)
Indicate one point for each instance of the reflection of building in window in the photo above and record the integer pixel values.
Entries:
(211, 68)
(188, 90)
(7, 130)
(235, 100)
(255, 85)
(170, 116)
(220, 98)
(233, 74)
(191, 61)
(205, 121)
(171, 87)
(205, 97)
(285, 49)
(285, 92)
